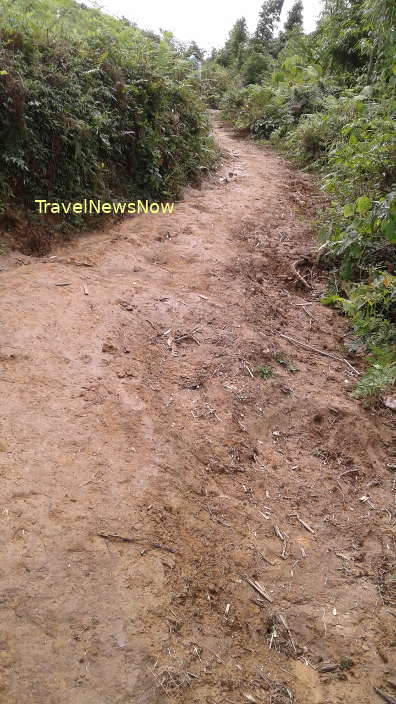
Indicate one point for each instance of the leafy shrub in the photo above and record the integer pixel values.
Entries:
(91, 107)
(361, 236)
(371, 308)
(363, 158)
(380, 376)
(312, 139)
(243, 105)
(278, 105)
(255, 68)
(216, 80)
(265, 372)
(261, 109)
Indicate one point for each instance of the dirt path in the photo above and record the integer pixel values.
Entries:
(130, 409)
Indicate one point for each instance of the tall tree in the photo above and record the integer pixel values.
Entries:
(268, 19)
(239, 34)
(295, 17)
(193, 51)
(236, 42)
(343, 35)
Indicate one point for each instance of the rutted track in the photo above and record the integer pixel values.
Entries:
(129, 408)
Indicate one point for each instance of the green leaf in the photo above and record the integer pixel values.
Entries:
(363, 205)
(311, 72)
(331, 299)
(265, 372)
(292, 61)
(348, 210)
(389, 230)
(278, 76)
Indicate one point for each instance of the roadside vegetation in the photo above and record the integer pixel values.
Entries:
(327, 101)
(92, 107)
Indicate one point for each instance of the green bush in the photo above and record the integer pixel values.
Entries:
(310, 142)
(277, 106)
(329, 106)
(258, 108)
(216, 80)
(363, 158)
(360, 236)
(371, 308)
(91, 107)
(380, 376)
(255, 67)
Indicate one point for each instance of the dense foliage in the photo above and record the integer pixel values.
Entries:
(92, 107)
(328, 101)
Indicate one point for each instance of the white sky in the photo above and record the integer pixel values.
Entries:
(208, 22)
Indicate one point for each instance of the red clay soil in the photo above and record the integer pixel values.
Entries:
(258, 506)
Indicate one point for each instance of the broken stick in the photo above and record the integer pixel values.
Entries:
(306, 526)
(386, 697)
(259, 589)
(317, 351)
(124, 539)
(293, 267)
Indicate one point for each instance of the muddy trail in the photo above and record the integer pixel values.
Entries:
(178, 526)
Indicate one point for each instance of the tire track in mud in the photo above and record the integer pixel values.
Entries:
(137, 410)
